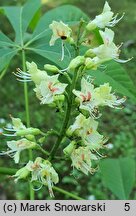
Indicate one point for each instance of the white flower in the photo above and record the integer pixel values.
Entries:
(87, 130)
(18, 146)
(104, 97)
(60, 30)
(43, 172)
(33, 74)
(21, 174)
(82, 160)
(19, 129)
(86, 96)
(36, 74)
(106, 18)
(48, 88)
(108, 50)
(91, 98)
(82, 125)
(17, 124)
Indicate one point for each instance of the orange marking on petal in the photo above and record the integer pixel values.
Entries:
(88, 96)
(82, 156)
(54, 89)
(83, 97)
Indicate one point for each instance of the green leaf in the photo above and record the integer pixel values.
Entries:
(118, 175)
(68, 14)
(5, 41)
(118, 78)
(53, 56)
(20, 17)
(6, 54)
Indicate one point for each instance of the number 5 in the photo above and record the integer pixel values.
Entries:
(127, 207)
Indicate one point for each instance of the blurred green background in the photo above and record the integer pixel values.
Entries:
(118, 125)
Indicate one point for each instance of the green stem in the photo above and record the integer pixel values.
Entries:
(68, 77)
(27, 117)
(67, 193)
(66, 120)
(26, 91)
(7, 171)
(42, 150)
(69, 104)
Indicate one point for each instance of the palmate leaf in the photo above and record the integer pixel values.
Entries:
(20, 17)
(5, 41)
(6, 54)
(118, 78)
(118, 175)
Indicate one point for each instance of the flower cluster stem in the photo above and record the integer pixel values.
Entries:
(66, 119)
(69, 105)
(27, 117)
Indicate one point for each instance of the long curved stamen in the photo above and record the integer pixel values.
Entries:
(24, 80)
(114, 20)
(9, 134)
(62, 50)
(22, 72)
(98, 153)
(21, 76)
(24, 77)
(37, 189)
(123, 61)
(103, 66)
(10, 153)
(68, 51)
(9, 129)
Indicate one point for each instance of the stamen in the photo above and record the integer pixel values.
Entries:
(123, 61)
(24, 80)
(37, 189)
(62, 50)
(21, 76)
(9, 134)
(114, 20)
(9, 129)
(98, 153)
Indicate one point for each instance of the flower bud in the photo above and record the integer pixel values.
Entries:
(76, 62)
(41, 140)
(92, 63)
(77, 101)
(59, 98)
(70, 40)
(89, 53)
(90, 26)
(69, 149)
(28, 131)
(51, 68)
(30, 137)
(21, 174)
